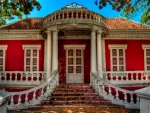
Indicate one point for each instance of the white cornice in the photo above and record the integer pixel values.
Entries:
(129, 34)
(73, 37)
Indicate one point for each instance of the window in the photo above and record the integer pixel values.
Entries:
(146, 56)
(117, 55)
(2, 57)
(31, 57)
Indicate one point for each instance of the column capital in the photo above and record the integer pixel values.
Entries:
(48, 31)
(100, 31)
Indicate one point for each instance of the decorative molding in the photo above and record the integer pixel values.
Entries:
(74, 5)
(128, 34)
(124, 46)
(33, 46)
(146, 46)
(74, 46)
(74, 37)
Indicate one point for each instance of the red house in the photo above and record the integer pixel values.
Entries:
(110, 54)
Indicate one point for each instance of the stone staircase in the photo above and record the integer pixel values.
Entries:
(79, 94)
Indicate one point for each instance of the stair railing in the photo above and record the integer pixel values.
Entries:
(33, 96)
(116, 95)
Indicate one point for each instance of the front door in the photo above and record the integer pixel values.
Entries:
(74, 63)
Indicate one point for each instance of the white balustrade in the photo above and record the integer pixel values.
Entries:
(21, 78)
(34, 95)
(127, 77)
(115, 94)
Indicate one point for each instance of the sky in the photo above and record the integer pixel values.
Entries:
(50, 6)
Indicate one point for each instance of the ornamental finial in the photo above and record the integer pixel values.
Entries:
(74, 5)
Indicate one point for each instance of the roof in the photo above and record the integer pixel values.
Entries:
(111, 23)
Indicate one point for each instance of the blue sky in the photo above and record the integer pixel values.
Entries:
(49, 6)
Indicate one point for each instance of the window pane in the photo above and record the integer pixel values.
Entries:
(70, 61)
(34, 61)
(147, 52)
(28, 53)
(114, 68)
(120, 52)
(78, 52)
(70, 69)
(27, 61)
(120, 61)
(114, 52)
(78, 60)
(70, 52)
(1, 68)
(148, 68)
(114, 61)
(121, 68)
(1, 61)
(1, 53)
(78, 69)
(28, 68)
(34, 52)
(34, 68)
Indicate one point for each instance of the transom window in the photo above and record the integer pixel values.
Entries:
(146, 56)
(2, 57)
(117, 55)
(31, 57)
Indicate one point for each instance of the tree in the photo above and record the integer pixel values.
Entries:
(130, 8)
(9, 9)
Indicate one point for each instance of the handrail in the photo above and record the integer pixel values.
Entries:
(113, 93)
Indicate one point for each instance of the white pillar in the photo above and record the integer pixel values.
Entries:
(48, 54)
(99, 53)
(93, 51)
(55, 51)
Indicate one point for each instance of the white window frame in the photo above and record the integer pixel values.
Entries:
(117, 46)
(31, 47)
(145, 46)
(4, 48)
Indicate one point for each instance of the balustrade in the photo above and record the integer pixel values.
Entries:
(21, 78)
(117, 95)
(127, 77)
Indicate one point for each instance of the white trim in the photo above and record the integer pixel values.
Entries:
(74, 46)
(117, 47)
(4, 48)
(31, 48)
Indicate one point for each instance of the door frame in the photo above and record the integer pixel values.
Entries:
(77, 46)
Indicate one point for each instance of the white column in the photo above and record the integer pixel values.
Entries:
(55, 51)
(99, 53)
(93, 51)
(48, 54)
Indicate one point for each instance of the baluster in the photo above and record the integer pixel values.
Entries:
(127, 76)
(117, 94)
(21, 77)
(131, 96)
(131, 76)
(136, 77)
(85, 15)
(63, 13)
(137, 99)
(122, 77)
(99, 18)
(72, 14)
(76, 13)
(34, 95)
(47, 91)
(125, 97)
(103, 88)
(26, 99)
(42, 92)
(117, 79)
(109, 91)
(55, 17)
(81, 14)
(16, 76)
(58, 15)
(19, 99)
(111, 78)
(10, 77)
(67, 14)
(12, 100)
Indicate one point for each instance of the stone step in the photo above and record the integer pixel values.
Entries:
(74, 90)
(74, 94)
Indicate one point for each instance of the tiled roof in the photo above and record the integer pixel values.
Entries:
(111, 23)
(124, 24)
(25, 24)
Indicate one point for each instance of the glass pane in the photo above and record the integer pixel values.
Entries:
(34, 52)
(28, 53)
(120, 61)
(78, 52)
(114, 68)
(70, 69)
(27, 61)
(34, 68)
(147, 52)
(1, 68)
(27, 68)
(78, 69)
(1, 53)
(114, 52)
(148, 68)
(148, 60)
(78, 60)
(120, 52)
(70, 60)
(114, 61)
(70, 52)
(1, 61)
(34, 61)
(121, 68)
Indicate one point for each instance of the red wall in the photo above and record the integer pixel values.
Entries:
(134, 54)
(15, 54)
(62, 59)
